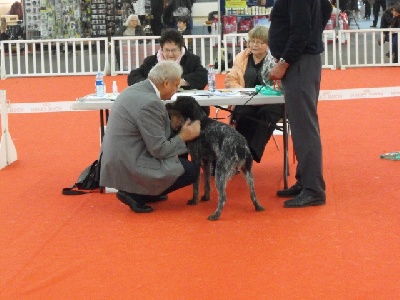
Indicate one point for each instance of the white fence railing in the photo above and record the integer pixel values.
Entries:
(360, 48)
(27, 58)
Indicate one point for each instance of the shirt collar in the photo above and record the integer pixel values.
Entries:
(155, 89)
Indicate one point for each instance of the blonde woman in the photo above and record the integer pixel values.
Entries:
(246, 73)
(131, 27)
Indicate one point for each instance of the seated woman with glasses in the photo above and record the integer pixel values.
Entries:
(172, 47)
(246, 73)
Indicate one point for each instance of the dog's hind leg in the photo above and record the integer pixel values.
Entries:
(221, 179)
(206, 178)
(250, 182)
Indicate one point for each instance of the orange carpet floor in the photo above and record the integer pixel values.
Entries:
(93, 247)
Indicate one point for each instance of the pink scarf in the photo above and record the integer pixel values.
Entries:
(160, 57)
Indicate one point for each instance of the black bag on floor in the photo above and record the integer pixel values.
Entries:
(88, 180)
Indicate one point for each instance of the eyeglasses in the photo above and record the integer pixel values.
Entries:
(256, 43)
(172, 51)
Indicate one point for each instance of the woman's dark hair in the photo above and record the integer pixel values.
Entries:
(171, 36)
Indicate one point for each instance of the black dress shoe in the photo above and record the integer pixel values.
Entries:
(154, 199)
(294, 190)
(304, 200)
(135, 206)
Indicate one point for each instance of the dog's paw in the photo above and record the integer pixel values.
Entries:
(191, 202)
(205, 198)
(259, 208)
(214, 217)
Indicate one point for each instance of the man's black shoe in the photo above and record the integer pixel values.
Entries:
(154, 199)
(294, 190)
(304, 200)
(132, 203)
(373, 26)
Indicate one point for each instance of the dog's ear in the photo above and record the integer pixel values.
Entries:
(198, 112)
(169, 106)
(189, 108)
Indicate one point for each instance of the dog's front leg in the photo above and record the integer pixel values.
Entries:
(196, 186)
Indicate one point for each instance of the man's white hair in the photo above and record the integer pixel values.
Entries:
(165, 70)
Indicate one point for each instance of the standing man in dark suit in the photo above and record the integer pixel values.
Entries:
(295, 40)
(139, 155)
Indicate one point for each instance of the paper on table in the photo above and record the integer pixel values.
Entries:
(204, 93)
(106, 97)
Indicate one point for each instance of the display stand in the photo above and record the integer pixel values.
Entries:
(106, 17)
(55, 19)
(98, 16)
(241, 16)
(52, 19)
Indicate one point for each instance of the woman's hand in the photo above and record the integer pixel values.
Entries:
(183, 82)
(227, 84)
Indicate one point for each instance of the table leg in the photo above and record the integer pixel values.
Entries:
(101, 125)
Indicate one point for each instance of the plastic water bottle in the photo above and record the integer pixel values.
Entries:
(100, 85)
(211, 78)
(114, 88)
(391, 155)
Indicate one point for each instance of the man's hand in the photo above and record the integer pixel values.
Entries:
(278, 71)
(190, 130)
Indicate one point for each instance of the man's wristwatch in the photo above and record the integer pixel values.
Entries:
(283, 62)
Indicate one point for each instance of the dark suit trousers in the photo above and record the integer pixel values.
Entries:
(192, 171)
(302, 84)
(188, 177)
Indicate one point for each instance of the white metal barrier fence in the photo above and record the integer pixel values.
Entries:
(60, 57)
(26, 58)
(367, 48)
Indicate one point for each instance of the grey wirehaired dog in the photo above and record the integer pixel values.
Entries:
(217, 142)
